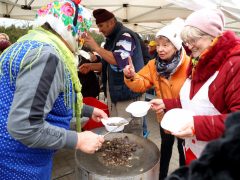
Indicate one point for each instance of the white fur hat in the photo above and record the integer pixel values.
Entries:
(172, 32)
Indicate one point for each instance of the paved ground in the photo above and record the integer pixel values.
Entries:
(64, 164)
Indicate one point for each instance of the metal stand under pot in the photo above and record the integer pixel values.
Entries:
(144, 165)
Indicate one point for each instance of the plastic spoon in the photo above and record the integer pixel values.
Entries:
(116, 128)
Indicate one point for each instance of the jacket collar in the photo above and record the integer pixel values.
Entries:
(116, 29)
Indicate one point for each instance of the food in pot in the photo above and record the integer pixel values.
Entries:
(117, 152)
(117, 124)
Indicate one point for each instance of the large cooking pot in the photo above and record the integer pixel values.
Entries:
(144, 167)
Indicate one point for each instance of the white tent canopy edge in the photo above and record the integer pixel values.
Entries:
(145, 17)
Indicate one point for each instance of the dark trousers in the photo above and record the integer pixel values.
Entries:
(166, 152)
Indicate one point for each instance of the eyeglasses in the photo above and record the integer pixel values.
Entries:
(191, 42)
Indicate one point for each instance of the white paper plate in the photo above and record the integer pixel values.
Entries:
(138, 108)
(175, 119)
(112, 120)
(84, 54)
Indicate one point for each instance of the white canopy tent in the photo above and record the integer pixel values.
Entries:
(231, 9)
(142, 16)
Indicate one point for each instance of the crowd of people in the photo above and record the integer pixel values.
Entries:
(192, 65)
(41, 93)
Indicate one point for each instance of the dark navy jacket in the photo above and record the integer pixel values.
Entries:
(117, 88)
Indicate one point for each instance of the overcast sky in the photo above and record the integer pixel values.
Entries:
(8, 22)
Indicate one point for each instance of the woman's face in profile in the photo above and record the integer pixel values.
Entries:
(165, 49)
(198, 45)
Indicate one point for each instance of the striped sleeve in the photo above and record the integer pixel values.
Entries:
(124, 49)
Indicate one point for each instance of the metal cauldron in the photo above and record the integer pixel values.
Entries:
(145, 167)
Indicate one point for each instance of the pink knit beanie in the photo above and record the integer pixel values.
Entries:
(210, 21)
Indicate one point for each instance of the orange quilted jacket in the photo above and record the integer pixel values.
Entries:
(148, 77)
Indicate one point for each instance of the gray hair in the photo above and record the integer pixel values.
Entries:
(190, 32)
(6, 37)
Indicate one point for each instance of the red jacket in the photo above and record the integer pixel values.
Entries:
(224, 92)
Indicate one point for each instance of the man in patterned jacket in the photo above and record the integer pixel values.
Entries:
(121, 43)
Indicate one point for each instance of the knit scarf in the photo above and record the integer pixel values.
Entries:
(42, 35)
(166, 68)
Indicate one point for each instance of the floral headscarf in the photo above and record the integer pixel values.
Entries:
(63, 18)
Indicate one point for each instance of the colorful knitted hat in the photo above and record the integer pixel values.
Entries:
(67, 18)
